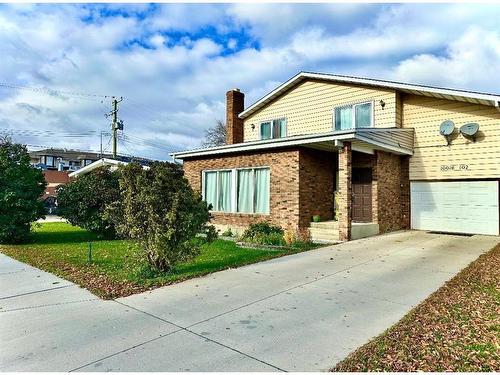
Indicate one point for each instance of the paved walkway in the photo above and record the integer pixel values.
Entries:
(301, 312)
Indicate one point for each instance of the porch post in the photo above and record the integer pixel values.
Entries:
(345, 192)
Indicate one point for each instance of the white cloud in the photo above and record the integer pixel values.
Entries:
(472, 61)
(174, 73)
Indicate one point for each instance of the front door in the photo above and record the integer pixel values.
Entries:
(362, 195)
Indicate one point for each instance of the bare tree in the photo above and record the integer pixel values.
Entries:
(216, 135)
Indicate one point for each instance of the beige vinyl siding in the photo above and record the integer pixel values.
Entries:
(399, 110)
(308, 107)
(431, 153)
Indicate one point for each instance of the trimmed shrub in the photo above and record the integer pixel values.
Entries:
(83, 201)
(160, 210)
(263, 233)
(21, 187)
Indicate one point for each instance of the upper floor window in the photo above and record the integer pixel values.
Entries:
(273, 129)
(48, 160)
(353, 116)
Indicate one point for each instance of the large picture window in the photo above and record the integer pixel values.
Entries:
(237, 190)
(273, 129)
(218, 190)
(353, 116)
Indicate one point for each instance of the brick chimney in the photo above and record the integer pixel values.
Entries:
(235, 104)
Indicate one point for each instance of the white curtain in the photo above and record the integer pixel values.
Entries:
(343, 118)
(225, 191)
(211, 189)
(282, 128)
(245, 191)
(265, 130)
(363, 115)
(262, 191)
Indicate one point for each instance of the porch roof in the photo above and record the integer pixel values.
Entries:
(396, 140)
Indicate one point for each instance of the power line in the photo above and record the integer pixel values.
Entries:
(54, 92)
(48, 133)
(145, 142)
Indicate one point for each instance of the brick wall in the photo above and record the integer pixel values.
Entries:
(284, 189)
(317, 174)
(302, 185)
(392, 191)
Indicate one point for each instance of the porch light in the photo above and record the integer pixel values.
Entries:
(382, 104)
(253, 126)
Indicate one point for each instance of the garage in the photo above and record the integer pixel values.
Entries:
(457, 207)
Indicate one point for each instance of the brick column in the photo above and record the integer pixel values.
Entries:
(375, 188)
(345, 192)
(405, 191)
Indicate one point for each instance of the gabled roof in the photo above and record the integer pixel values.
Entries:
(437, 92)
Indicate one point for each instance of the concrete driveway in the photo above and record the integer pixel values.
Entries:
(298, 313)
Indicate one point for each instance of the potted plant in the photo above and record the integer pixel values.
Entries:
(316, 218)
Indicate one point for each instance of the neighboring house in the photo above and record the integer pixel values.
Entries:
(113, 164)
(105, 162)
(374, 145)
(54, 179)
(63, 159)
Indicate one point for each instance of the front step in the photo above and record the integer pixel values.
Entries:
(324, 232)
(332, 224)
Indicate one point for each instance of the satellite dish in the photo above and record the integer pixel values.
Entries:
(469, 129)
(447, 127)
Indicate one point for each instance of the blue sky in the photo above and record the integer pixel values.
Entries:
(173, 63)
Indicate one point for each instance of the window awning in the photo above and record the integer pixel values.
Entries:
(395, 140)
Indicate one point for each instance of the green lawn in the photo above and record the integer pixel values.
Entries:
(116, 269)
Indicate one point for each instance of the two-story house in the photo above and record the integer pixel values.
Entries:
(63, 159)
(368, 156)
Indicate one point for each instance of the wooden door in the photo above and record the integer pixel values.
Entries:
(362, 195)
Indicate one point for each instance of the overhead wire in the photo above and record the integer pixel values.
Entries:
(54, 92)
(131, 139)
(135, 139)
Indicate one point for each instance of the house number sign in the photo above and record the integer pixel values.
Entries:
(454, 167)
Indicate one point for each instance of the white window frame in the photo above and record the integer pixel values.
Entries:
(234, 189)
(203, 194)
(353, 113)
(272, 128)
(53, 158)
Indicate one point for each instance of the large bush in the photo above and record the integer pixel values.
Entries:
(21, 187)
(161, 212)
(83, 201)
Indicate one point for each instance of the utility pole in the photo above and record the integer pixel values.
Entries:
(100, 155)
(115, 125)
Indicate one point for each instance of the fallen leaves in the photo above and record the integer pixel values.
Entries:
(456, 329)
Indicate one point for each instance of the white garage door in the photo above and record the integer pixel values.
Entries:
(459, 207)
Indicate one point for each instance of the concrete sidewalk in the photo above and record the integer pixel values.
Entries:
(303, 312)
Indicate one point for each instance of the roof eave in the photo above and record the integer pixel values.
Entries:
(491, 99)
(304, 140)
